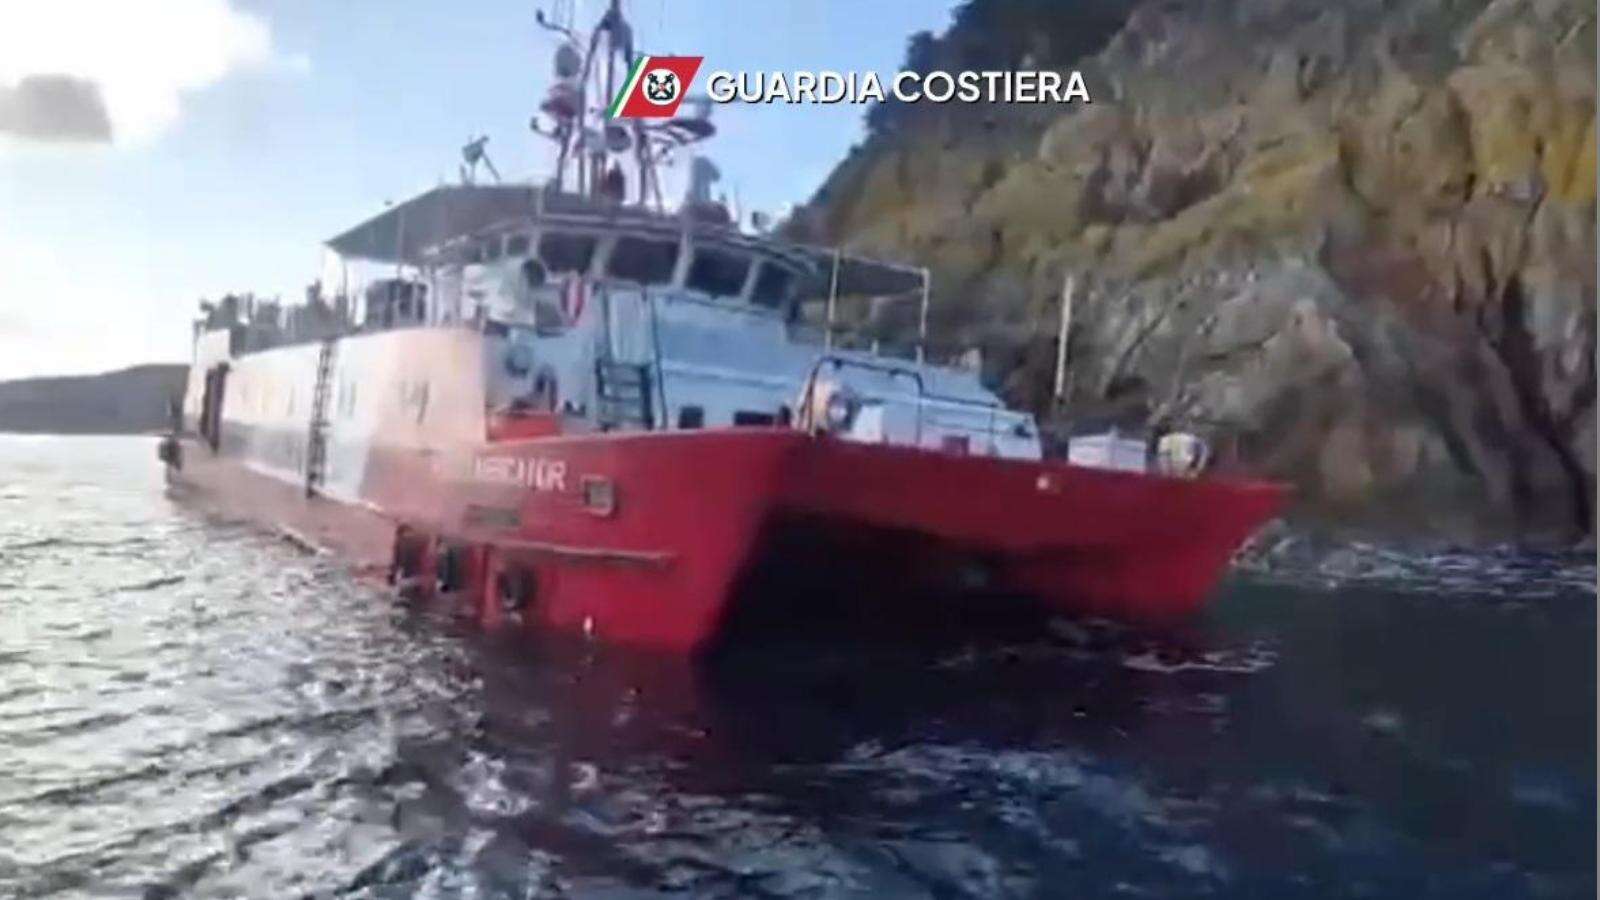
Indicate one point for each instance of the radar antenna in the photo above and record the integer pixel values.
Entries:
(473, 153)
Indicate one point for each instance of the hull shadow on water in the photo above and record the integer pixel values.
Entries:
(1282, 746)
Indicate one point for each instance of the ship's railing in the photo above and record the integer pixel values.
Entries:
(832, 333)
(923, 296)
(838, 335)
(924, 397)
(965, 358)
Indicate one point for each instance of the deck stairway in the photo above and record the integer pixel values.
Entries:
(623, 392)
(317, 439)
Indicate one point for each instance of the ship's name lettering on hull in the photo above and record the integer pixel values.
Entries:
(536, 472)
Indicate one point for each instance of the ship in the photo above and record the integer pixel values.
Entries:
(565, 406)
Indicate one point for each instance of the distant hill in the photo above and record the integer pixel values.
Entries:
(122, 402)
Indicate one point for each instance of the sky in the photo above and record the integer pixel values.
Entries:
(154, 152)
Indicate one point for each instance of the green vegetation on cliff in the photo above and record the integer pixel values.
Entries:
(1353, 243)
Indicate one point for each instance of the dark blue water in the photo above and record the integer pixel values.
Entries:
(191, 707)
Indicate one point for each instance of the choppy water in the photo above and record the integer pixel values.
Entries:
(190, 706)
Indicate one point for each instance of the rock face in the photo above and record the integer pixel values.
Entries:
(1353, 243)
(128, 401)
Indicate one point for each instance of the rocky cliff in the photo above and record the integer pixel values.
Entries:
(128, 401)
(1354, 243)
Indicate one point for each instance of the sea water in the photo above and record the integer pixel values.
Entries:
(191, 706)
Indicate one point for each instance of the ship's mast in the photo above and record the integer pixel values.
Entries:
(594, 152)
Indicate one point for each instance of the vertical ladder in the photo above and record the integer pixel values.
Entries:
(317, 440)
(625, 367)
(623, 393)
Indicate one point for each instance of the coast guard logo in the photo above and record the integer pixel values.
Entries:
(655, 87)
(661, 86)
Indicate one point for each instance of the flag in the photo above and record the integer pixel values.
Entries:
(655, 87)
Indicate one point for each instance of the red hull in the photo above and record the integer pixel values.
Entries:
(690, 514)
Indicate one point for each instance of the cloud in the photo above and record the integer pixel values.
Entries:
(140, 58)
(54, 108)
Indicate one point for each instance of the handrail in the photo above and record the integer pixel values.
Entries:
(991, 431)
(922, 314)
(809, 395)
(921, 389)
(655, 346)
(833, 299)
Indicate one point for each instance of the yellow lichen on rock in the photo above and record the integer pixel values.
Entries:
(1421, 172)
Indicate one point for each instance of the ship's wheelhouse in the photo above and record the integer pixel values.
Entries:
(705, 266)
(599, 316)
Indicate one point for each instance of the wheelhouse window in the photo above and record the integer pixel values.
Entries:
(720, 273)
(746, 418)
(517, 245)
(562, 252)
(491, 249)
(773, 285)
(643, 260)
